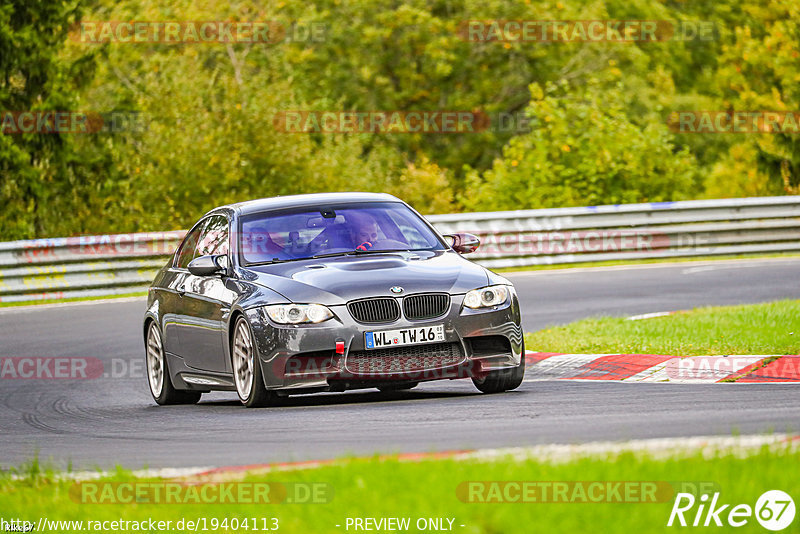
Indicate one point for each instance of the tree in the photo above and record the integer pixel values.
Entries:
(36, 170)
(760, 71)
(583, 150)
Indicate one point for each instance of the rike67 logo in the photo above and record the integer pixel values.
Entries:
(774, 510)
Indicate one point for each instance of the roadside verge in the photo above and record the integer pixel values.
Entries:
(662, 368)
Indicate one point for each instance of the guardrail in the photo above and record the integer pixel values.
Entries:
(89, 266)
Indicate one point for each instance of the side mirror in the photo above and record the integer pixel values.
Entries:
(463, 243)
(208, 265)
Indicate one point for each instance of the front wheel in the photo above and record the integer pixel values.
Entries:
(502, 379)
(247, 369)
(158, 373)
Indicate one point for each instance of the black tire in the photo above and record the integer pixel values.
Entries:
(161, 387)
(398, 387)
(503, 379)
(249, 385)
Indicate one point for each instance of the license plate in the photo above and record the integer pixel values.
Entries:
(404, 336)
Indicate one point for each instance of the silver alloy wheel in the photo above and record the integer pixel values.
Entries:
(243, 360)
(155, 360)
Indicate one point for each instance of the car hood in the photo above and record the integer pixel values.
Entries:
(336, 280)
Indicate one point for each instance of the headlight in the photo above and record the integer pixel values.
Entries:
(298, 313)
(486, 297)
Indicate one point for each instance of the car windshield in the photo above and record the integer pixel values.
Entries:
(358, 228)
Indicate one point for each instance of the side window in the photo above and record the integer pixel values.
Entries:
(214, 239)
(186, 253)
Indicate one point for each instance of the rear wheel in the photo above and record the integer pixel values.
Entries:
(158, 373)
(246, 368)
(502, 379)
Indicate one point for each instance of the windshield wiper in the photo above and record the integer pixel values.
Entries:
(379, 251)
(331, 255)
(334, 254)
(266, 262)
(278, 260)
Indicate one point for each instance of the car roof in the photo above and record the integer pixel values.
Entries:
(313, 199)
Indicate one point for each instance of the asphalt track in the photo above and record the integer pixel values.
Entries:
(113, 420)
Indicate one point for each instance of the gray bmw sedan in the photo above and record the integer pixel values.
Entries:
(326, 292)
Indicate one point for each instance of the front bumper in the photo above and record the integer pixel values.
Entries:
(304, 357)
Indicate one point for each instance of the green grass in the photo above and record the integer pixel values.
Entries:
(390, 488)
(613, 263)
(771, 328)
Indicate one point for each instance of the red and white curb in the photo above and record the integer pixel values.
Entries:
(662, 368)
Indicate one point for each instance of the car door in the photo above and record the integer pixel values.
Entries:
(206, 303)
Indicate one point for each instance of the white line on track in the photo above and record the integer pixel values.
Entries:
(733, 264)
(705, 268)
(650, 315)
(39, 307)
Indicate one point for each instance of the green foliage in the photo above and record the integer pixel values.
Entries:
(737, 174)
(583, 150)
(425, 186)
(36, 170)
(760, 70)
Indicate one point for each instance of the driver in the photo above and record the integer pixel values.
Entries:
(363, 229)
